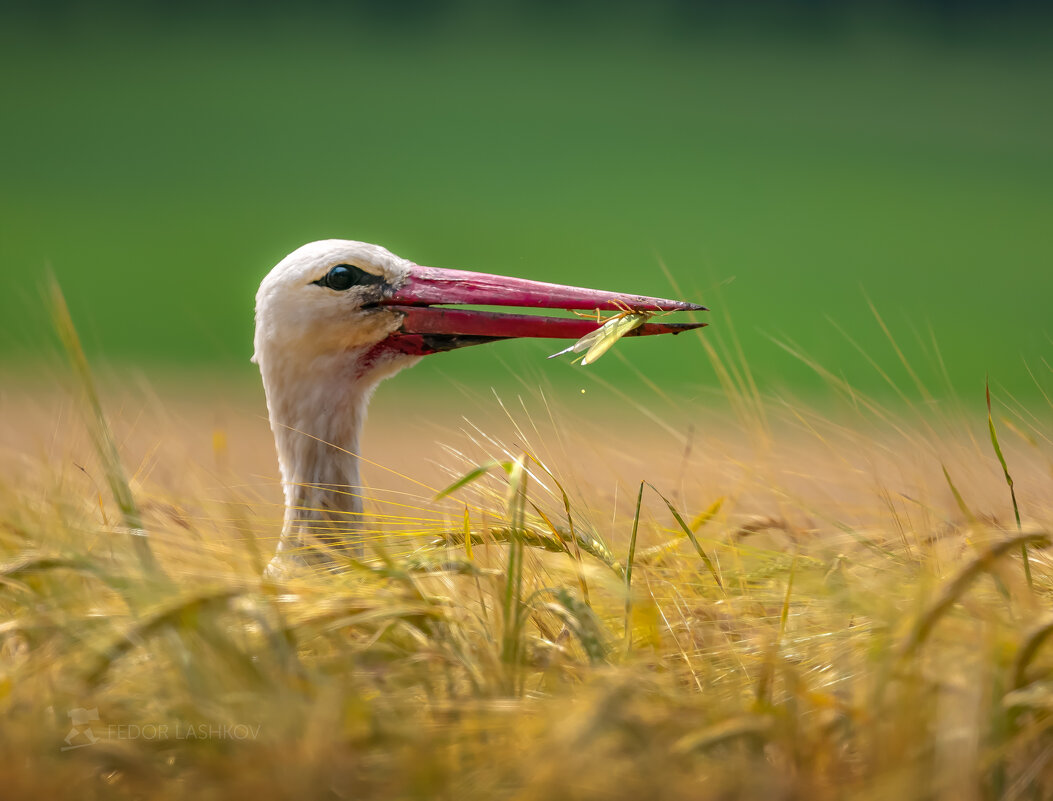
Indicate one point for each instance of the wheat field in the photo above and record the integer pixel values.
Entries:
(564, 594)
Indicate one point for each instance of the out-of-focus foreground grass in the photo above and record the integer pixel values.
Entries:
(849, 616)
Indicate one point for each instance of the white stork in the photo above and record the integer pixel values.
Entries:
(334, 318)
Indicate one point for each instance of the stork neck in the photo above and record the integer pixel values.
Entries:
(320, 473)
(317, 426)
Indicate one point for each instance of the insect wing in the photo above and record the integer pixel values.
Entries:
(611, 332)
(586, 341)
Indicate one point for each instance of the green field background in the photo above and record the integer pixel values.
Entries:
(783, 173)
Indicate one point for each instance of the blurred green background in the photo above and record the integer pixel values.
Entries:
(785, 161)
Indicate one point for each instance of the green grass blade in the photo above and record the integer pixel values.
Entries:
(629, 572)
(1008, 480)
(99, 428)
(511, 636)
(958, 496)
(472, 475)
(691, 536)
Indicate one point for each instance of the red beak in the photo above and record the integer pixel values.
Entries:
(430, 286)
(427, 330)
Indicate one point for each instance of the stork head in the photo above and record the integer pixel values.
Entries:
(360, 313)
(325, 301)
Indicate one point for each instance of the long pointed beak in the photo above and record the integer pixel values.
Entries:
(427, 330)
(431, 286)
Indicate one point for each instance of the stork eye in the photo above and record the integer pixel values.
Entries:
(345, 276)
